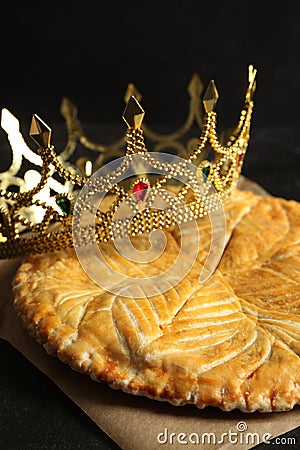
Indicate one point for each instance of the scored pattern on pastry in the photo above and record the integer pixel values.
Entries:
(233, 342)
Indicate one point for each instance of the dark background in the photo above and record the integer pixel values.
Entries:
(89, 51)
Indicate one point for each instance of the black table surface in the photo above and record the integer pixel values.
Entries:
(36, 414)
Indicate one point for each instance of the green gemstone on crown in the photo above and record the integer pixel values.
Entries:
(64, 204)
(205, 172)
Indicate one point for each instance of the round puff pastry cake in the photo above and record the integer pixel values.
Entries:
(233, 342)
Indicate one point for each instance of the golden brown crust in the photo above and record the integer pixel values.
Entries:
(233, 342)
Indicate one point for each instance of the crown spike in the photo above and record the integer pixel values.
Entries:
(133, 114)
(251, 82)
(210, 97)
(195, 87)
(40, 132)
(67, 108)
(132, 90)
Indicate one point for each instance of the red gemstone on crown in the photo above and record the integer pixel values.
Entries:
(140, 189)
(240, 158)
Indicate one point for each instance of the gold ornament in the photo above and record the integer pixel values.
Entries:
(38, 217)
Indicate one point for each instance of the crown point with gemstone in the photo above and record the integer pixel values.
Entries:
(40, 132)
(134, 113)
(210, 97)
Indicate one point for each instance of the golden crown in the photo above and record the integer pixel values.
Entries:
(36, 210)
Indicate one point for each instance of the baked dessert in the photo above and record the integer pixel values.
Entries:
(233, 342)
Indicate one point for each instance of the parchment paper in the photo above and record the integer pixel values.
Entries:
(136, 423)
